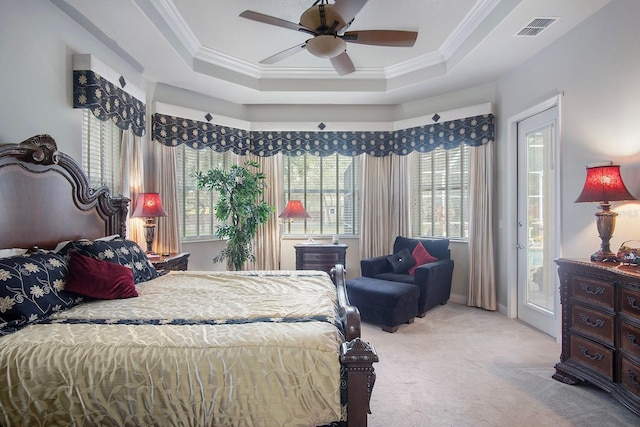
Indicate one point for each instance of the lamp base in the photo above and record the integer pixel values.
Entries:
(606, 224)
(149, 234)
(604, 256)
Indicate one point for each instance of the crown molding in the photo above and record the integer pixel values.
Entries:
(174, 23)
(467, 26)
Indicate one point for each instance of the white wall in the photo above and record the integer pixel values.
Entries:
(597, 67)
(37, 42)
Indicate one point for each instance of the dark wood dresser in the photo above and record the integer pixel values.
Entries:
(319, 256)
(601, 328)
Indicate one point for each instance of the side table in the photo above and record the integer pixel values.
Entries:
(172, 262)
(320, 256)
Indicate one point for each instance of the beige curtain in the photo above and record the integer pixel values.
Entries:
(482, 284)
(132, 181)
(167, 239)
(386, 193)
(266, 245)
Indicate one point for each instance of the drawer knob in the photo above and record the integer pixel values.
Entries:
(632, 302)
(596, 356)
(597, 324)
(598, 291)
(633, 340)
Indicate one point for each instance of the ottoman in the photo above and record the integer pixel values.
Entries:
(382, 302)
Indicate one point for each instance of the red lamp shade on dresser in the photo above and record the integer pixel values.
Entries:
(603, 185)
(149, 205)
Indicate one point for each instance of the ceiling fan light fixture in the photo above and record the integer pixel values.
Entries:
(326, 46)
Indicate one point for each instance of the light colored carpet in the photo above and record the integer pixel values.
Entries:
(462, 366)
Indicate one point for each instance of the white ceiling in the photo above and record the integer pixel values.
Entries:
(204, 46)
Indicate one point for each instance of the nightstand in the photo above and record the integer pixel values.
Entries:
(319, 256)
(171, 262)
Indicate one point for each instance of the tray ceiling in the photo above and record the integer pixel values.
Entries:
(205, 47)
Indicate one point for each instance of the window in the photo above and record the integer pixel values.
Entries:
(329, 188)
(440, 193)
(101, 142)
(196, 207)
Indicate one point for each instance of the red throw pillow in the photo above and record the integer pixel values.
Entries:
(100, 279)
(422, 256)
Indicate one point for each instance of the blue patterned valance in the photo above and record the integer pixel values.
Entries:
(108, 101)
(174, 131)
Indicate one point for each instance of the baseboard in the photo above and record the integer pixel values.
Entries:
(458, 299)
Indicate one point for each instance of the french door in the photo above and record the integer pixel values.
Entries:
(537, 230)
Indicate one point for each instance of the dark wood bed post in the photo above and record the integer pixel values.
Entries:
(356, 356)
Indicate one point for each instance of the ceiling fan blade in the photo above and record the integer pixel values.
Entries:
(284, 54)
(348, 9)
(272, 20)
(382, 37)
(343, 64)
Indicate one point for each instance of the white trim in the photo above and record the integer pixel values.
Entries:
(445, 116)
(85, 61)
(330, 126)
(511, 192)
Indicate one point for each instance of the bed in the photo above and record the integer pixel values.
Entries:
(90, 334)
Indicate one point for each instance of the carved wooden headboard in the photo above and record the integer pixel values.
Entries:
(45, 198)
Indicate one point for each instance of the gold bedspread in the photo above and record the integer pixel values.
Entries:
(206, 362)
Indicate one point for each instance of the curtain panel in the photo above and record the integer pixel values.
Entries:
(173, 131)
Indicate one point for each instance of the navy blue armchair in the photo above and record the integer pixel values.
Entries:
(433, 279)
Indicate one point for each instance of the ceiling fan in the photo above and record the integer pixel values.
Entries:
(328, 24)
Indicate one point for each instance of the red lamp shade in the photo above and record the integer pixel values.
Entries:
(149, 205)
(604, 184)
(294, 209)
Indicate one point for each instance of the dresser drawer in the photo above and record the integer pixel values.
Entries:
(631, 302)
(593, 323)
(630, 376)
(320, 257)
(591, 290)
(630, 339)
(592, 355)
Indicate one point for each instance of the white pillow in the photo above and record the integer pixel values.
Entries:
(6, 253)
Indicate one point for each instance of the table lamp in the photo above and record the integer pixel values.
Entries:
(149, 205)
(603, 185)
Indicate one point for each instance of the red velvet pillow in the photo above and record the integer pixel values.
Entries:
(100, 279)
(422, 256)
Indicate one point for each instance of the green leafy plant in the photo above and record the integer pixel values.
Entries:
(240, 207)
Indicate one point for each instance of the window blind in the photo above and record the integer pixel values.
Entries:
(101, 146)
(329, 188)
(440, 193)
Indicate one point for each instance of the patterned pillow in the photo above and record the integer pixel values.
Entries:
(119, 251)
(31, 288)
(401, 261)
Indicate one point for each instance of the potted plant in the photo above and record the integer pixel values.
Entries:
(240, 208)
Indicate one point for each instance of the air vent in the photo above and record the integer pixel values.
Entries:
(536, 26)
